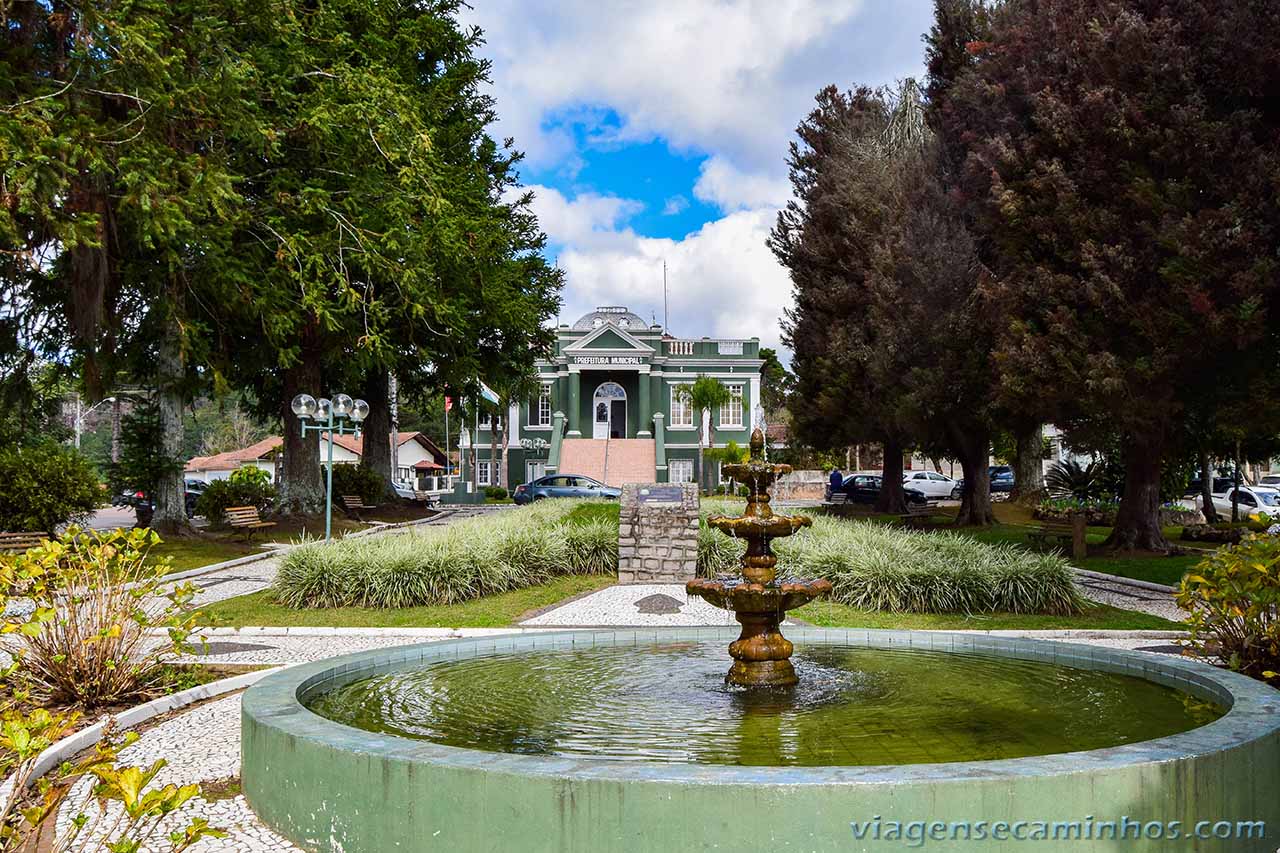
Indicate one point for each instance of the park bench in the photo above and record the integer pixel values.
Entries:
(246, 518)
(353, 504)
(1056, 534)
(18, 543)
(1051, 535)
(431, 499)
(916, 516)
(838, 498)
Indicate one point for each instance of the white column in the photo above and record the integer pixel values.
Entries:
(756, 404)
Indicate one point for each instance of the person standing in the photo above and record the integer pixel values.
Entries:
(836, 482)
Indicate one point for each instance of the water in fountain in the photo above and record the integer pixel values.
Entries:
(666, 702)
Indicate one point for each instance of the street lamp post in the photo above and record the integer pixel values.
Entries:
(331, 417)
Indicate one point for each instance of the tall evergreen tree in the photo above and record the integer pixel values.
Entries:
(1124, 160)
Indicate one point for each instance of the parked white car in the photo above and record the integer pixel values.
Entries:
(1270, 480)
(934, 485)
(1253, 500)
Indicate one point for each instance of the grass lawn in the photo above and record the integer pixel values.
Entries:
(194, 553)
(496, 611)
(831, 615)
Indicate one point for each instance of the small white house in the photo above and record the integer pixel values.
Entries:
(417, 455)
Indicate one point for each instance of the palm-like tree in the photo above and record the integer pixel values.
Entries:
(705, 394)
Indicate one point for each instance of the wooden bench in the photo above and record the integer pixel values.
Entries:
(246, 518)
(916, 515)
(353, 504)
(1070, 537)
(838, 498)
(431, 499)
(19, 543)
(1051, 535)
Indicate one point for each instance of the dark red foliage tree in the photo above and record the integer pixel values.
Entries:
(1123, 162)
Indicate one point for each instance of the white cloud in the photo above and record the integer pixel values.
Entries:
(723, 281)
(675, 204)
(732, 76)
(589, 220)
(724, 185)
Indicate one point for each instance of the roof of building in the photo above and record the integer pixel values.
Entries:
(618, 315)
(236, 458)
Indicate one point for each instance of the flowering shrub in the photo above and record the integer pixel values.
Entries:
(1234, 601)
(28, 803)
(95, 598)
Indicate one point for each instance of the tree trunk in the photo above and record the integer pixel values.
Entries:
(375, 453)
(1028, 469)
(1138, 521)
(115, 429)
(973, 447)
(301, 483)
(892, 499)
(393, 409)
(170, 515)
(1206, 489)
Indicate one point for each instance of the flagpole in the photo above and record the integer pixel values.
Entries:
(448, 465)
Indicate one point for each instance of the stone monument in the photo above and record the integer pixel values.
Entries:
(658, 533)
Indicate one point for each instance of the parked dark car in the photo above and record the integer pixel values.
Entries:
(1001, 482)
(1221, 485)
(140, 501)
(563, 486)
(865, 489)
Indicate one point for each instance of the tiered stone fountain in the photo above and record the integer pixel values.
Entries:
(759, 599)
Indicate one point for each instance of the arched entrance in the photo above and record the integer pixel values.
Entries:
(609, 411)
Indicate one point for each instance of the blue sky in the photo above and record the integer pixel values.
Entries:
(658, 130)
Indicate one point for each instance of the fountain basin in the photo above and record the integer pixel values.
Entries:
(330, 786)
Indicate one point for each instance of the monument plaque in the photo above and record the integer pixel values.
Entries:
(658, 533)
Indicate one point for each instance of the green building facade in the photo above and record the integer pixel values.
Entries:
(610, 392)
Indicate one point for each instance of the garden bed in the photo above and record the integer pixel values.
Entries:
(467, 560)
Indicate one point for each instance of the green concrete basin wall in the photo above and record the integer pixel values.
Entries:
(329, 787)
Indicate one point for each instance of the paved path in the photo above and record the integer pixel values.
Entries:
(1128, 597)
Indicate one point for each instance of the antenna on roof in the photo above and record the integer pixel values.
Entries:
(666, 313)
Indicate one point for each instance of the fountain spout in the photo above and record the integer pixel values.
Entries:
(759, 600)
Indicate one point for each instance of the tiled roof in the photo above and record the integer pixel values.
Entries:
(235, 458)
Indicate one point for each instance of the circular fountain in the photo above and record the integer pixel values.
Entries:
(758, 599)
(624, 741)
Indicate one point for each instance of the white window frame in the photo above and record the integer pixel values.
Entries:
(729, 347)
(482, 472)
(681, 410)
(543, 414)
(675, 466)
(734, 407)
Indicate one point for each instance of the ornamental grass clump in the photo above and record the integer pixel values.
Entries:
(469, 559)
(874, 567)
(1233, 598)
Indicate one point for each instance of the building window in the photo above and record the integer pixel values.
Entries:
(543, 417)
(731, 412)
(680, 470)
(730, 347)
(482, 468)
(681, 411)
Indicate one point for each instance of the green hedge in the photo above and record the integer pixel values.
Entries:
(43, 486)
(876, 567)
(468, 559)
(248, 486)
